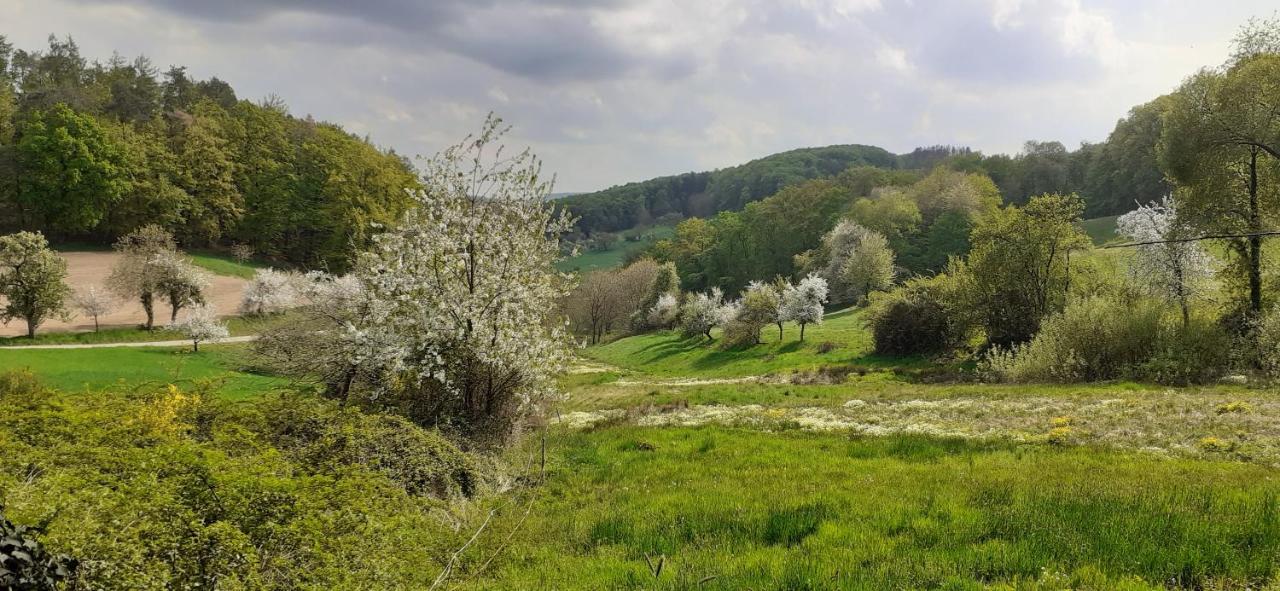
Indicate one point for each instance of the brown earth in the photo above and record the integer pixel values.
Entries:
(85, 269)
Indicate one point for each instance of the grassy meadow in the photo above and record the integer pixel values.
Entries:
(671, 463)
(628, 242)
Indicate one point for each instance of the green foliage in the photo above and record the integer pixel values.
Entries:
(92, 151)
(925, 315)
(71, 171)
(708, 193)
(1021, 263)
(24, 562)
(168, 489)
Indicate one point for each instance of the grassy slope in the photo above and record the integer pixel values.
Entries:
(613, 257)
(75, 369)
(734, 509)
(1101, 230)
(670, 354)
(237, 325)
(221, 264)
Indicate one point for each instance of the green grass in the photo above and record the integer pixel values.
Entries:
(668, 353)
(238, 326)
(76, 369)
(617, 253)
(731, 509)
(220, 264)
(1100, 230)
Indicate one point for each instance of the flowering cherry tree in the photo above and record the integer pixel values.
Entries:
(1178, 271)
(269, 292)
(802, 303)
(454, 323)
(201, 325)
(704, 311)
(94, 303)
(664, 311)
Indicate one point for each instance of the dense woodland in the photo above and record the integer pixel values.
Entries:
(90, 151)
(1111, 176)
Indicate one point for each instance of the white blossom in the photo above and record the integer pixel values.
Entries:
(665, 311)
(802, 303)
(95, 302)
(1175, 270)
(269, 292)
(704, 311)
(201, 325)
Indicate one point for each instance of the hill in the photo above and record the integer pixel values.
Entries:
(707, 193)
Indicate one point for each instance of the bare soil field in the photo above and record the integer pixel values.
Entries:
(87, 269)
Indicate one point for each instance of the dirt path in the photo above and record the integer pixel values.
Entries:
(240, 339)
(86, 269)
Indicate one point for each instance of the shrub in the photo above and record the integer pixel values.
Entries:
(924, 316)
(20, 385)
(1195, 353)
(25, 564)
(1092, 339)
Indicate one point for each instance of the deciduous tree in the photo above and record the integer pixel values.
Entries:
(32, 280)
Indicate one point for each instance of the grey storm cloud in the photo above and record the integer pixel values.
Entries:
(549, 40)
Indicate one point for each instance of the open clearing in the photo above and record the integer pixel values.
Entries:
(87, 269)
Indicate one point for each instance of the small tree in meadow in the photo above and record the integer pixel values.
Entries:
(180, 282)
(664, 312)
(704, 311)
(137, 274)
(32, 280)
(802, 303)
(95, 302)
(758, 309)
(202, 325)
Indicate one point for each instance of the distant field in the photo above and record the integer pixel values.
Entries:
(221, 264)
(615, 255)
(1100, 230)
(72, 370)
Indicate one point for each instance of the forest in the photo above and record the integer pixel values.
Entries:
(90, 151)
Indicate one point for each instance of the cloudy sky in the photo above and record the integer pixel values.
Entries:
(609, 91)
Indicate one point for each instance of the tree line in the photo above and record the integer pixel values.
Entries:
(90, 151)
(1110, 175)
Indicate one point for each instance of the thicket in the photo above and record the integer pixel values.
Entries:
(174, 489)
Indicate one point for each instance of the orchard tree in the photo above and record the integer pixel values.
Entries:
(269, 292)
(138, 274)
(869, 267)
(453, 325)
(758, 308)
(32, 280)
(1221, 146)
(1021, 263)
(201, 325)
(95, 302)
(802, 303)
(702, 312)
(665, 311)
(1169, 264)
(179, 281)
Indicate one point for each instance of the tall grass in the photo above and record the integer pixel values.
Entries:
(729, 509)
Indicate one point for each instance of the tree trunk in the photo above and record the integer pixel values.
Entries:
(95, 323)
(779, 332)
(1255, 241)
(802, 325)
(195, 346)
(148, 306)
(31, 329)
(173, 311)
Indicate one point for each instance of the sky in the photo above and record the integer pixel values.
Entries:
(611, 91)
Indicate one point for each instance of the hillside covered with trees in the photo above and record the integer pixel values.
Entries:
(1110, 175)
(90, 151)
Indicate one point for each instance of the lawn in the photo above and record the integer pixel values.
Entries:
(842, 339)
(1100, 230)
(720, 508)
(221, 264)
(238, 325)
(76, 369)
